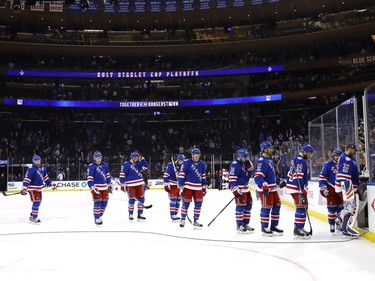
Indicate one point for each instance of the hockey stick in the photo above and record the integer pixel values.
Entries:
(307, 213)
(10, 194)
(139, 202)
(175, 171)
(221, 211)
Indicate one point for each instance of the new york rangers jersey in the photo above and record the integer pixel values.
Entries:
(131, 173)
(265, 172)
(36, 178)
(347, 170)
(297, 176)
(327, 176)
(169, 176)
(192, 174)
(98, 176)
(239, 176)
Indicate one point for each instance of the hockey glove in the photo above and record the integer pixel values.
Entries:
(265, 189)
(237, 193)
(248, 165)
(282, 184)
(167, 188)
(124, 188)
(204, 188)
(324, 191)
(303, 195)
(24, 191)
(110, 188)
(94, 191)
(53, 185)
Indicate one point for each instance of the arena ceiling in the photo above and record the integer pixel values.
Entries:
(249, 14)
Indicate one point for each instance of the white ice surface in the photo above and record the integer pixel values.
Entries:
(68, 246)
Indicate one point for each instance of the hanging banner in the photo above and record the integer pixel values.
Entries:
(204, 4)
(22, 5)
(155, 6)
(108, 8)
(170, 6)
(238, 3)
(38, 7)
(124, 6)
(221, 4)
(139, 6)
(76, 7)
(57, 7)
(187, 5)
(256, 2)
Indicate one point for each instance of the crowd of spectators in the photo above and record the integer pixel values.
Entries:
(291, 55)
(186, 34)
(57, 136)
(192, 88)
(67, 138)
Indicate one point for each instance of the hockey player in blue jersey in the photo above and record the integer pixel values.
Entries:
(36, 178)
(99, 182)
(327, 179)
(240, 171)
(131, 180)
(171, 185)
(265, 179)
(347, 181)
(192, 183)
(297, 186)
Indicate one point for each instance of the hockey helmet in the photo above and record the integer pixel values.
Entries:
(180, 157)
(195, 151)
(97, 154)
(134, 154)
(264, 145)
(337, 151)
(307, 148)
(351, 145)
(242, 153)
(36, 158)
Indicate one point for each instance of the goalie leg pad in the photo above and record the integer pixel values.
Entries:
(347, 189)
(346, 228)
(349, 206)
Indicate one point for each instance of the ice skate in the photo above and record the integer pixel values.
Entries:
(277, 231)
(98, 221)
(33, 220)
(241, 229)
(266, 232)
(248, 228)
(332, 228)
(300, 233)
(175, 218)
(350, 232)
(306, 232)
(338, 223)
(131, 217)
(197, 224)
(182, 223)
(140, 217)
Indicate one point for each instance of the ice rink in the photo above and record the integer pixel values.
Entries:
(67, 245)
